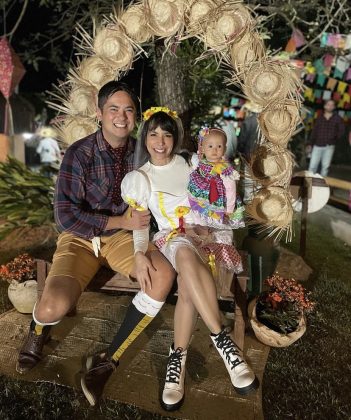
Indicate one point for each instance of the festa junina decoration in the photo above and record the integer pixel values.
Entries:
(228, 31)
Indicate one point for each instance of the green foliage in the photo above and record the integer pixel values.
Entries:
(26, 198)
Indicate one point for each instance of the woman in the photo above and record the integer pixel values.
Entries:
(161, 186)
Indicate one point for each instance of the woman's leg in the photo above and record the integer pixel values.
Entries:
(185, 317)
(200, 287)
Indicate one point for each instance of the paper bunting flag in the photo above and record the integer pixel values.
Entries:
(336, 96)
(349, 90)
(317, 93)
(346, 97)
(310, 77)
(341, 113)
(338, 74)
(332, 40)
(326, 95)
(11, 69)
(298, 37)
(348, 42)
(290, 46)
(331, 83)
(309, 68)
(348, 75)
(308, 94)
(319, 65)
(328, 60)
(342, 64)
(341, 87)
(321, 79)
(324, 39)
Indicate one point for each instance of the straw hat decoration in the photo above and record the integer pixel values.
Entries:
(229, 23)
(247, 50)
(164, 17)
(76, 127)
(271, 166)
(112, 45)
(272, 206)
(278, 122)
(95, 71)
(196, 14)
(269, 81)
(83, 100)
(135, 23)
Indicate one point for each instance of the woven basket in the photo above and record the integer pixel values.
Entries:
(272, 338)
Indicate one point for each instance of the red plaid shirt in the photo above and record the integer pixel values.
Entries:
(327, 132)
(86, 191)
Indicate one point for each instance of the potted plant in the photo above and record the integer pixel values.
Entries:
(21, 274)
(277, 315)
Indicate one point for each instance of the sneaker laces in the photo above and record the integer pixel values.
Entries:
(174, 366)
(226, 344)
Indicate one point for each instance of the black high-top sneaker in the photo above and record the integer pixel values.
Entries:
(241, 375)
(173, 391)
(99, 368)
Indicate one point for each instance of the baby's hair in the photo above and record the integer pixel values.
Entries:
(206, 131)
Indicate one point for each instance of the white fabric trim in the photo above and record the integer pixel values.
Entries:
(96, 241)
(146, 305)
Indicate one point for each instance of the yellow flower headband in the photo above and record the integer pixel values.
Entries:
(151, 111)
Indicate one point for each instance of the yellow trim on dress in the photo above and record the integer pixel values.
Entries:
(161, 204)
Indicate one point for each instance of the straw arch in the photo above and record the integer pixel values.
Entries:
(227, 29)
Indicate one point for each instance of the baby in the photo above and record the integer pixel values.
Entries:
(212, 185)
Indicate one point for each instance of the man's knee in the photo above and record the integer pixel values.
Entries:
(48, 311)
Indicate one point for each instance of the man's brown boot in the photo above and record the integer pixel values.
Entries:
(99, 368)
(31, 352)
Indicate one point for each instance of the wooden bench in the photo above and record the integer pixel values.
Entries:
(335, 183)
(232, 288)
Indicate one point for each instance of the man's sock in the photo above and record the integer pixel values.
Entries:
(140, 313)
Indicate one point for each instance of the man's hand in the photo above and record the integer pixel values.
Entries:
(142, 270)
(130, 220)
(135, 220)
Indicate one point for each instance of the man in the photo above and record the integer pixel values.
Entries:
(328, 129)
(95, 225)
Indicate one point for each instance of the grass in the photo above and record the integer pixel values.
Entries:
(308, 380)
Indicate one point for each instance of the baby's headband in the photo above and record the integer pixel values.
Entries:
(153, 110)
(205, 131)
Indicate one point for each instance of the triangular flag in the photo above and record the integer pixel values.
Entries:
(291, 46)
(298, 37)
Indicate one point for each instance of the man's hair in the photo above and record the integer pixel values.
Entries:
(111, 88)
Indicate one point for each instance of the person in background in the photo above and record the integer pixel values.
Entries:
(247, 142)
(48, 149)
(328, 129)
(232, 142)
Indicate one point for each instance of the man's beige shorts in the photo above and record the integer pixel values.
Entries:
(74, 256)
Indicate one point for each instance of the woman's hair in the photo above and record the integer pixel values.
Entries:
(166, 123)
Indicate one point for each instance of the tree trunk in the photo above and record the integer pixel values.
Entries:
(171, 87)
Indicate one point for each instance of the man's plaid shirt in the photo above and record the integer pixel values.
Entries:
(84, 188)
(327, 132)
